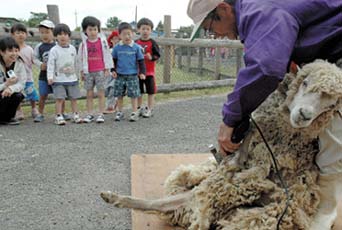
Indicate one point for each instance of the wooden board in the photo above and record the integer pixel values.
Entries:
(149, 172)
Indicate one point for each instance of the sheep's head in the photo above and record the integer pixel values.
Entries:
(316, 90)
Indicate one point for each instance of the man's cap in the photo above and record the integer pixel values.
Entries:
(47, 23)
(198, 11)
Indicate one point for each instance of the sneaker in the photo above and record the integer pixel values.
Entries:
(147, 113)
(66, 117)
(100, 118)
(34, 113)
(59, 120)
(13, 121)
(134, 116)
(19, 115)
(140, 111)
(119, 116)
(76, 119)
(89, 118)
(38, 118)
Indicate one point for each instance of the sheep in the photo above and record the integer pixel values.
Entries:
(243, 191)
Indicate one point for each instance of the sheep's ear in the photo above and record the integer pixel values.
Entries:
(284, 84)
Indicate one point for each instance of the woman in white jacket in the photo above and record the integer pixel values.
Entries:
(12, 80)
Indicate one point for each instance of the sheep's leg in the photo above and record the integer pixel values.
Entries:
(165, 204)
(331, 188)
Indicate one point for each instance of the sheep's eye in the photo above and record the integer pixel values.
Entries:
(305, 83)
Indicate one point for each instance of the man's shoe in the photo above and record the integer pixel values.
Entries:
(66, 117)
(14, 121)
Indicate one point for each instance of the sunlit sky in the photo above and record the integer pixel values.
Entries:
(123, 9)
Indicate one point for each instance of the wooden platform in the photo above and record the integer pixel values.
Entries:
(148, 174)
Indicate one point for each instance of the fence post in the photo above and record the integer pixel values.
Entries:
(217, 63)
(167, 50)
(188, 59)
(53, 13)
(238, 60)
(179, 53)
(201, 52)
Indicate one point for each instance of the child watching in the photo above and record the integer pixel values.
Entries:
(127, 56)
(61, 73)
(111, 103)
(19, 33)
(41, 55)
(151, 55)
(96, 61)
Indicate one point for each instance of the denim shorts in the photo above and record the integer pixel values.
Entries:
(129, 83)
(30, 92)
(44, 88)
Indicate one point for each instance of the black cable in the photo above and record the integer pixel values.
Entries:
(277, 172)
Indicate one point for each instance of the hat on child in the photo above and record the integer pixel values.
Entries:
(198, 11)
(115, 33)
(47, 23)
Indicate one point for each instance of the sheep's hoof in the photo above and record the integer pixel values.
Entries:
(111, 198)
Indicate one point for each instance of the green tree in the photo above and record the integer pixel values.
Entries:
(35, 18)
(160, 27)
(113, 22)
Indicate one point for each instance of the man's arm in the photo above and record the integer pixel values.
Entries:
(269, 41)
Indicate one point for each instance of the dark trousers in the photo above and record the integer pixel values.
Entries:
(9, 105)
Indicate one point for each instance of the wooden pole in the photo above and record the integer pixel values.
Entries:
(167, 50)
(238, 60)
(53, 13)
(217, 63)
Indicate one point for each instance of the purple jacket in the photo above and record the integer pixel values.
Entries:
(275, 32)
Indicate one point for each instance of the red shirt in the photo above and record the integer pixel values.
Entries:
(149, 46)
(95, 56)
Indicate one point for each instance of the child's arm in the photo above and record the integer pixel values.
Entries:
(155, 51)
(107, 56)
(51, 65)
(80, 60)
(36, 59)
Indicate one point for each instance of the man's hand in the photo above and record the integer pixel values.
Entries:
(50, 81)
(7, 92)
(142, 76)
(224, 140)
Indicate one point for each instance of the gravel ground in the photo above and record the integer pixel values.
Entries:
(51, 177)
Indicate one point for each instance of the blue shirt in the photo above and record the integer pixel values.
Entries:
(275, 32)
(127, 58)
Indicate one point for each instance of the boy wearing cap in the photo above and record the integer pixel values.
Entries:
(41, 55)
